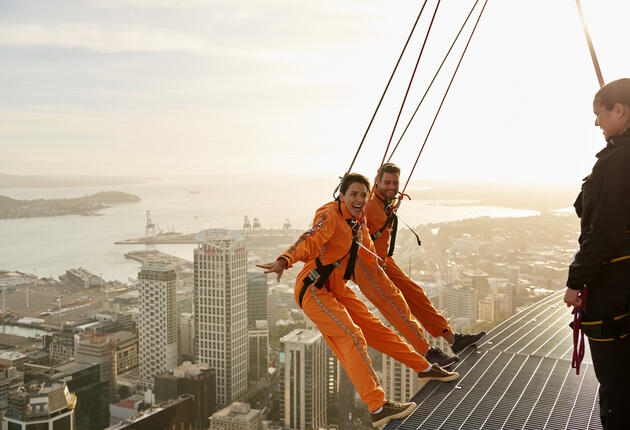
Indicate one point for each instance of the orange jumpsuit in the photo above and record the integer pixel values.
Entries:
(343, 319)
(417, 301)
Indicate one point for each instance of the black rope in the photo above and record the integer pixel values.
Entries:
(445, 94)
(433, 80)
(382, 96)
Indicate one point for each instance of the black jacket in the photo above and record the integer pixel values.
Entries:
(604, 208)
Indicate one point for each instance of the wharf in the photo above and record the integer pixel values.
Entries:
(152, 255)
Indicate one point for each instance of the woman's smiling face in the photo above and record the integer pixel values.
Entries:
(355, 198)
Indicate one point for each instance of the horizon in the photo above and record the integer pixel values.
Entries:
(163, 88)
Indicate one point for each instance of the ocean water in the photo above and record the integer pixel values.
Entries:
(48, 246)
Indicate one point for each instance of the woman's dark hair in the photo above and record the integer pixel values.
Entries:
(350, 179)
(614, 92)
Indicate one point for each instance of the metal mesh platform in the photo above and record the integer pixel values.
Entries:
(519, 377)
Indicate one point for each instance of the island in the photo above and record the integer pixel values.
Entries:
(87, 205)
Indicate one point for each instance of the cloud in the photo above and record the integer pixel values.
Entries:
(132, 39)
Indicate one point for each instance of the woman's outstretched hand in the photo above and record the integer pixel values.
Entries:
(276, 267)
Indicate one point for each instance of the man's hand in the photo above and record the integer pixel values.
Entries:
(571, 297)
(276, 267)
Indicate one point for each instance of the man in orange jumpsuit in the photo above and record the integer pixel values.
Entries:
(382, 224)
(329, 250)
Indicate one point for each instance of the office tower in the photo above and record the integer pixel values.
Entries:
(196, 379)
(258, 351)
(303, 403)
(399, 381)
(220, 310)
(172, 414)
(9, 379)
(257, 297)
(158, 325)
(237, 416)
(462, 302)
(99, 350)
(186, 336)
(84, 381)
(40, 405)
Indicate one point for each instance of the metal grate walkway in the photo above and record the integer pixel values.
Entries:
(520, 377)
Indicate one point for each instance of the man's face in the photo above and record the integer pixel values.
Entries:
(613, 122)
(388, 185)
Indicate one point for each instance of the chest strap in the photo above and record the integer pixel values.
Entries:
(321, 273)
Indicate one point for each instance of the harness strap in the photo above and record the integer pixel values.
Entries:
(578, 334)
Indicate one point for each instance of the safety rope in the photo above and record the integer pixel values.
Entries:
(598, 71)
(578, 334)
(383, 94)
(402, 194)
(432, 80)
(362, 217)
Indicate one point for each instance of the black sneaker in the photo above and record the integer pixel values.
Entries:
(464, 340)
(392, 410)
(436, 355)
(437, 374)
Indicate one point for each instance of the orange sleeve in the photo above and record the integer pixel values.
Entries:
(311, 242)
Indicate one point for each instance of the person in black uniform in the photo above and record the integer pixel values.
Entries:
(602, 264)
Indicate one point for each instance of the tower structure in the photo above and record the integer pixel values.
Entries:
(220, 310)
(158, 321)
(304, 380)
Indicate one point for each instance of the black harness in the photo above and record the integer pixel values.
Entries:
(321, 273)
(392, 220)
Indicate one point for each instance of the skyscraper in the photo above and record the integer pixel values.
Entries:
(399, 381)
(220, 310)
(304, 378)
(257, 297)
(158, 321)
(258, 351)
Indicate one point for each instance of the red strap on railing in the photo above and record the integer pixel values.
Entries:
(578, 334)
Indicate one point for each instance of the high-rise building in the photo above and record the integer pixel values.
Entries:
(172, 414)
(400, 382)
(196, 379)
(9, 379)
(101, 350)
(186, 337)
(40, 405)
(257, 297)
(158, 324)
(462, 302)
(220, 310)
(258, 351)
(304, 379)
(237, 416)
(84, 381)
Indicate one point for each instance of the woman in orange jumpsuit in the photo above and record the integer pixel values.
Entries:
(329, 250)
(381, 222)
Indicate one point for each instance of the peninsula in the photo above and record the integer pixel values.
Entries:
(87, 205)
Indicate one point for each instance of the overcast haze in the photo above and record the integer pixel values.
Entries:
(164, 88)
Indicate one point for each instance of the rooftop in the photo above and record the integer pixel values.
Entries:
(520, 376)
(301, 335)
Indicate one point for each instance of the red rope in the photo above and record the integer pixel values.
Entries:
(391, 137)
(444, 98)
(578, 334)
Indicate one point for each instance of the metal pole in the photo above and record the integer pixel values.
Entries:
(598, 71)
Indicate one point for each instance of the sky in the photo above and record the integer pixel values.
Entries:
(286, 88)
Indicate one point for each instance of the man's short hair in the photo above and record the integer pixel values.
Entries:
(388, 168)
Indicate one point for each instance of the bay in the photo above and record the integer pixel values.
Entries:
(48, 246)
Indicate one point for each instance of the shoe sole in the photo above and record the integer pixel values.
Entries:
(401, 414)
(451, 377)
(448, 364)
(470, 344)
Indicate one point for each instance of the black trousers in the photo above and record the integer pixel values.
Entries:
(609, 296)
